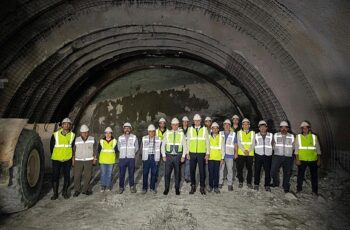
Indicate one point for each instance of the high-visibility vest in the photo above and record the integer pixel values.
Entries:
(197, 141)
(146, 147)
(283, 149)
(215, 147)
(160, 134)
(107, 154)
(174, 141)
(307, 147)
(229, 144)
(126, 147)
(246, 141)
(263, 147)
(62, 150)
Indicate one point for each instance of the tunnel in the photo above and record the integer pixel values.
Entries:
(103, 63)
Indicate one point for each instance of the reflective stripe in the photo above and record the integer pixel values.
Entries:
(84, 159)
(307, 147)
(246, 143)
(258, 136)
(57, 142)
(86, 142)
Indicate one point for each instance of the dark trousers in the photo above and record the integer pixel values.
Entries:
(123, 164)
(149, 165)
(82, 172)
(197, 158)
(286, 163)
(262, 162)
(57, 167)
(214, 173)
(246, 161)
(172, 162)
(314, 175)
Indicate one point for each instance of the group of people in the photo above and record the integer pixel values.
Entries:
(226, 153)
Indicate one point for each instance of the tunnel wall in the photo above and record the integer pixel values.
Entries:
(292, 62)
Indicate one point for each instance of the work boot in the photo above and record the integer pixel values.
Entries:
(88, 193)
(133, 189)
(267, 189)
(76, 193)
(65, 191)
(240, 185)
(256, 187)
(210, 189)
(103, 188)
(144, 191)
(202, 190)
(187, 180)
(216, 190)
(153, 191)
(177, 192)
(250, 186)
(120, 191)
(55, 191)
(166, 191)
(230, 188)
(220, 186)
(193, 189)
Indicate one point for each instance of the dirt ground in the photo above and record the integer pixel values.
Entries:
(241, 209)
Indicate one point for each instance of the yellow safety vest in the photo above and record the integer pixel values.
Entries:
(246, 141)
(62, 150)
(307, 147)
(174, 141)
(107, 154)
(215, 147)
(160, 134)
(198, 141)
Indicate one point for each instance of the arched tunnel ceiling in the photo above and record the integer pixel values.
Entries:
(280, 57)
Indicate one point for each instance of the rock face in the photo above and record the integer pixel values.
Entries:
(285, 59)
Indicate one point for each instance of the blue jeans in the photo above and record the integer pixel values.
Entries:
(187, 170)
(106, 175)
(123, 164)
(149, 165)
(214, 169)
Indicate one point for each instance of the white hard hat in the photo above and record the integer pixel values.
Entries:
(207, 119)
(304, 124)
(66, 120)
(162, 120)
(127, 124)
(175, 121)
(235, 117)
(151, 128)
(215, 125)
(245, 120)
(262, 122)
(227, 121)
(185, 118)
(84, 128)
(108, 130)
(284, 124)
(197, 117)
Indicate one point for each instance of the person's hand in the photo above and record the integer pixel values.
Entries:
(164, 159)
(94, 161)
(235, 156)
(222, 162)
(182, 159)
(188, 156)
(206, 158)
(318, 162)
(297, 162)
(73, 162)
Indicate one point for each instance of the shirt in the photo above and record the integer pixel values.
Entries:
(234, 142)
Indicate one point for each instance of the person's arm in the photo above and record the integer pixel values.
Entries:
(189, 134)
(207, 143)
(164, 142)
(52, 143)
(222, 146)
(318, 148)
(235, 142)
(296, 146)
(184, 146)
(136, 145)
(252, 147)
(99, 148)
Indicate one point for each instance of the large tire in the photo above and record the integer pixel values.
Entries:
(26, 175)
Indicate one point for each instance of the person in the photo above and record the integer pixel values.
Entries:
(84, 157)
(173, 149)
(235, 126)
(230, 154)
(263, 155)
(246, 142)
(307, 151)
(283, 156)
(150, 157)
(216, 157)
(207, 123)
(128, 145)
(160, 132)
(198, 147)
(61, 148)
(187, 172)
(107, 150)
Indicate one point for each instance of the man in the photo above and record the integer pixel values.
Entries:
(235, 127)
(246, 142)
(207, 123)
(161, 129)
(263, 155)
(107, 151)
(307, 151)
(128, 145)
(173, 149)
(187, 172)
(84, 157)
(61, 147)
(216, 157)
(198, 146)
(230, 154)
(150, 157)
(283, 156)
